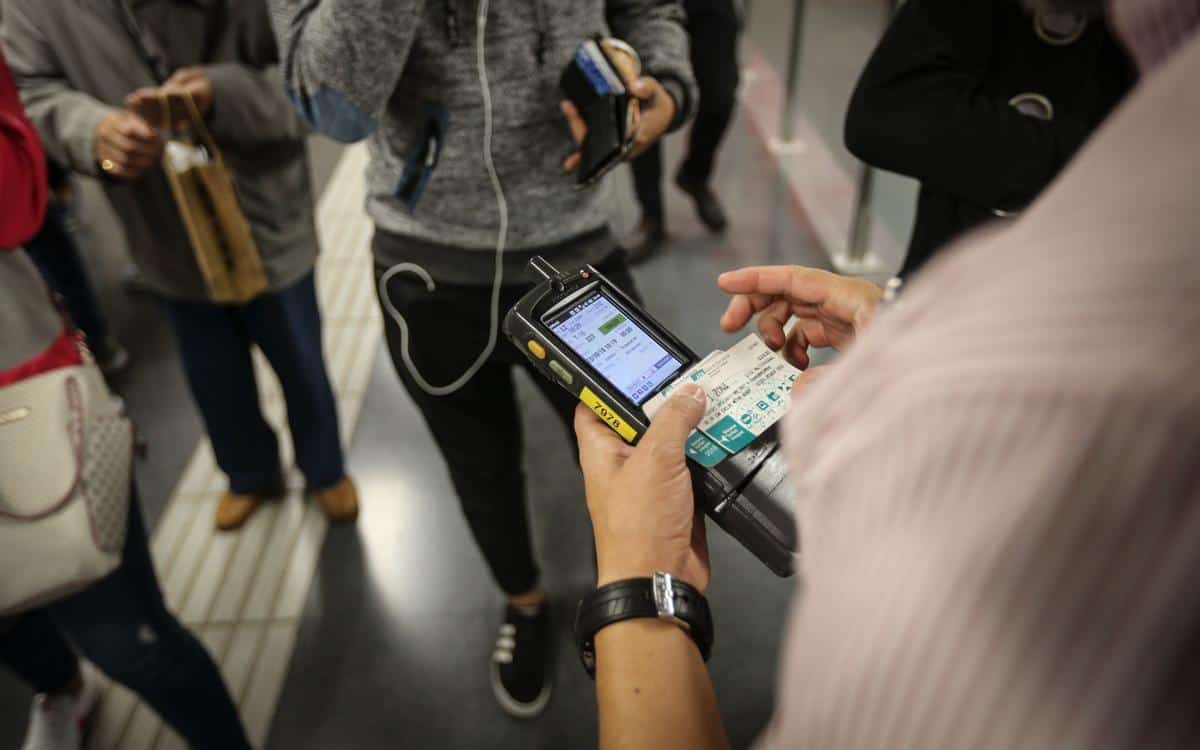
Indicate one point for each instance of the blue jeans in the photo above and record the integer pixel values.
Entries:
(215, 342)
(122, 625)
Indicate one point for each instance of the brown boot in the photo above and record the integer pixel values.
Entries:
(339, 501)
(235, 509)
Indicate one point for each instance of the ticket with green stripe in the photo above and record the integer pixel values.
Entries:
(748, 388)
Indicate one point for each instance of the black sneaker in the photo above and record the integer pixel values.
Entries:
(646, 240)
(708, 207)
(520, 663)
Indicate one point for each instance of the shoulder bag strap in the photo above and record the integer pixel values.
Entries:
(147, 45)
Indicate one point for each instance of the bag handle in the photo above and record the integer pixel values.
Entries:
(76, 427)
(147, 46)
(164, 104)
(196, 120)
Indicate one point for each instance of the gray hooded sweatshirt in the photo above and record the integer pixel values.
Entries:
(404, 74)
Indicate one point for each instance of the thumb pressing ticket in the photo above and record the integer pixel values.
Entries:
(748, 389)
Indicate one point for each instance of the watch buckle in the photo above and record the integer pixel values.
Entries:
(664, 596)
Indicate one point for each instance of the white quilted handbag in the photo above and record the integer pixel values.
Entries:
(66, 463)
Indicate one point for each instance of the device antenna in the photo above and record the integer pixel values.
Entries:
(543, 268)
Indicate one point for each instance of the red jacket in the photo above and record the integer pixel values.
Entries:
(23, 200)
(22, 168)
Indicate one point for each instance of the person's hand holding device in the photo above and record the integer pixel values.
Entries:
(582, 332)
(656, 110)
(640, 499)
(646, 525)
(830, 309)
(651, 108)
(578, 131)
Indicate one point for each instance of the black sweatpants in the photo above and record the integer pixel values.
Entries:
(714, 30)
(478, 428)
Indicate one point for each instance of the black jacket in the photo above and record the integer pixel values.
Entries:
(933, 104)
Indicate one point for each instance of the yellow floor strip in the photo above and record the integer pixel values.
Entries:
(243, 593)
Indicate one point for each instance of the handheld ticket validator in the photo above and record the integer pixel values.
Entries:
(581, 331)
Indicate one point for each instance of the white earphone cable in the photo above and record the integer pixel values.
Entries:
(501, 239)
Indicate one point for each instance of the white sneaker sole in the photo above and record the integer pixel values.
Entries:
(515, 708)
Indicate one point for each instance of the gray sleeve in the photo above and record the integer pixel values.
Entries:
(249, 103)
(343, 58)
(657, 30)
(65, 119)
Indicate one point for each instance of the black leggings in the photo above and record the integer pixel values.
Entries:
(122, 625)
(478, 428)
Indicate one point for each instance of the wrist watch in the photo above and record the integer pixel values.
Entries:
(661, 597)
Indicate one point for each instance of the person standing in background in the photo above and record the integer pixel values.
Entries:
(89, 75)
(467, 130)
(713, 27)
(983, 103)
(1001, 510)
(119, 622)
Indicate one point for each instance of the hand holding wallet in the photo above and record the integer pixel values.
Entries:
(593, 81)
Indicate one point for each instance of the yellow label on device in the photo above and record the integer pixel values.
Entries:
(593, 402)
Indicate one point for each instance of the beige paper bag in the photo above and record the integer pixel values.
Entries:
(207, 200)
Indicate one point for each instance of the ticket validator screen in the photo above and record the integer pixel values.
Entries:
(624, 353)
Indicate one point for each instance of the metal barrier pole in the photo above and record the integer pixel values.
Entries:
(786, 127)
(860, 230)
(863, 216)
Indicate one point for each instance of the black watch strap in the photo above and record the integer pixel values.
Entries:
(661, 597)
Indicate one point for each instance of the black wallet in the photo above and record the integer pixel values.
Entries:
(593, 83)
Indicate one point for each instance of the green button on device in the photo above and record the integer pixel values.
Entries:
(563, 373)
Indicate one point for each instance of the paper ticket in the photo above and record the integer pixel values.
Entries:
(707, 369)
(699, 447)
(748, 388)
(749, 395)
(692, 375)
